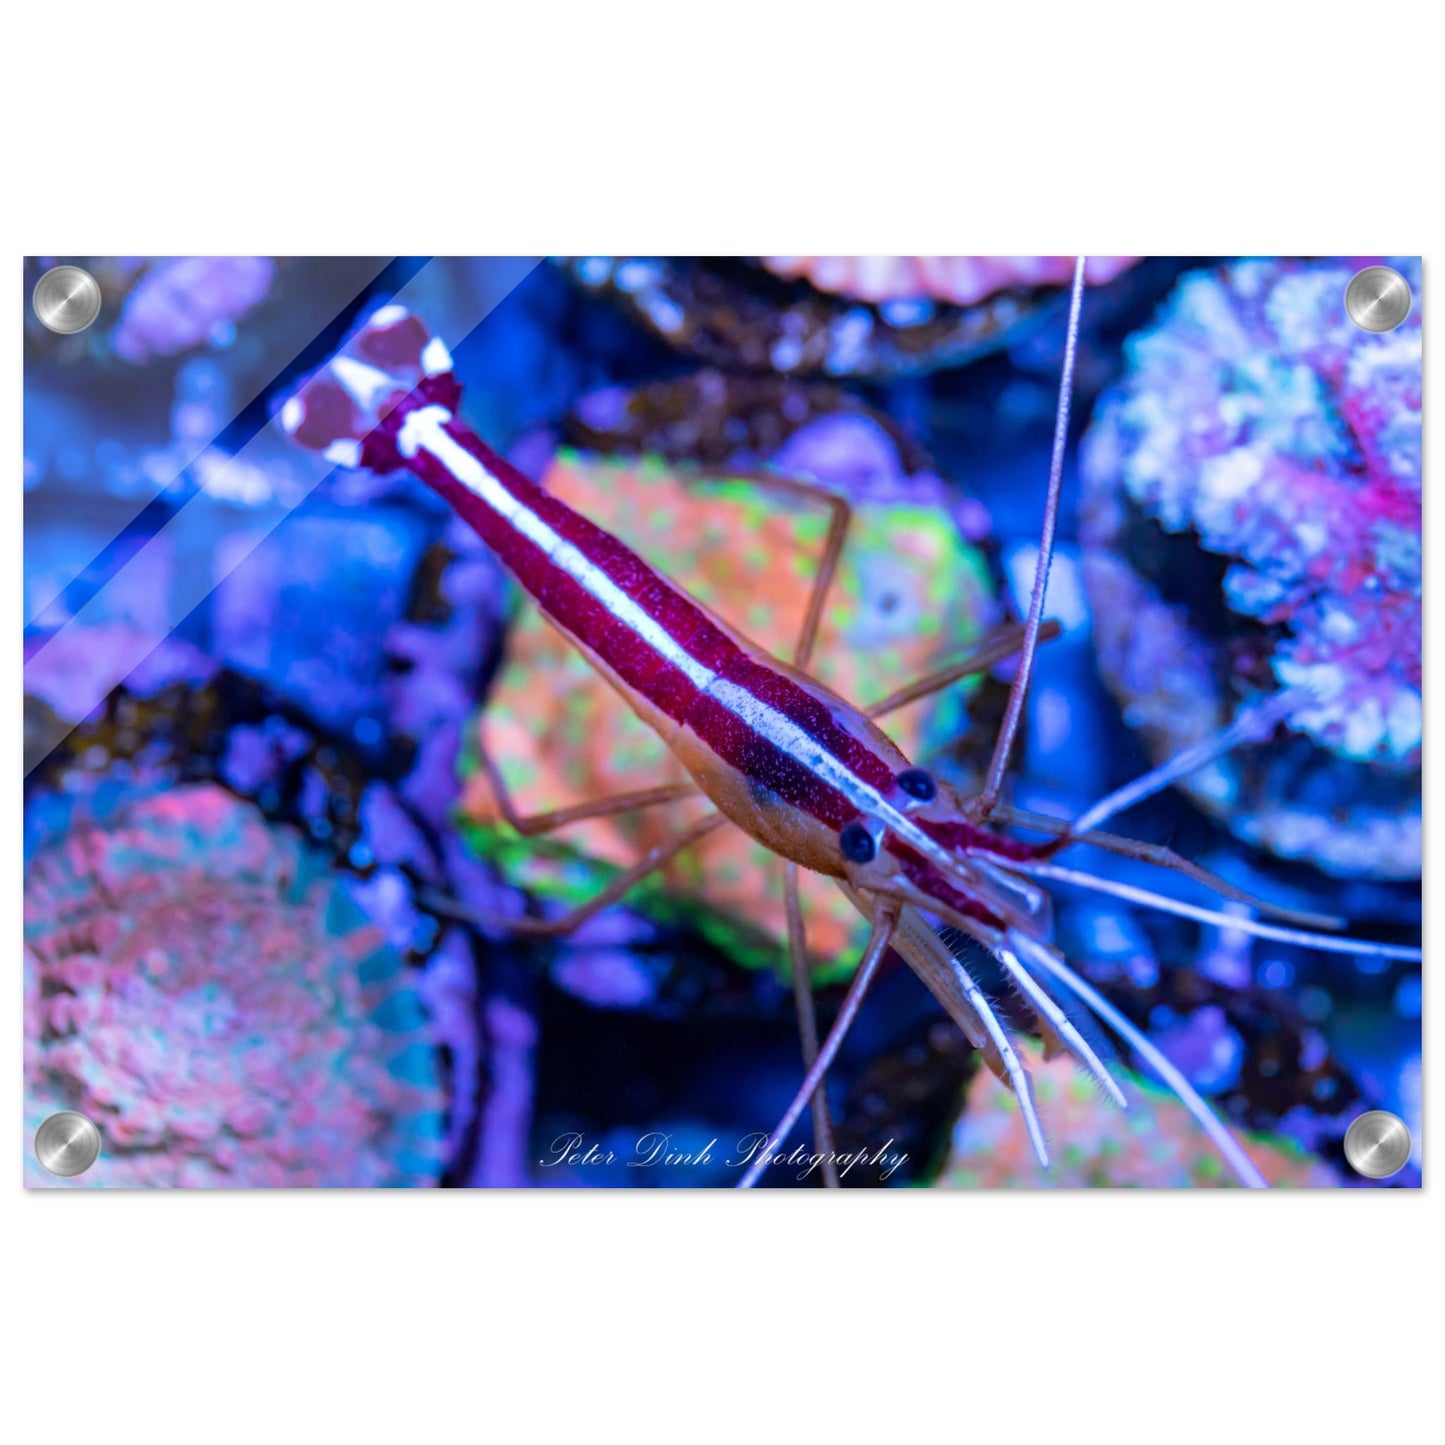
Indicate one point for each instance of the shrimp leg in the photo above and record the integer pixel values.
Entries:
(885, 920)
(838, 526)
(540, 823)
(569, 922)
(807, 1019)
(1001, 643)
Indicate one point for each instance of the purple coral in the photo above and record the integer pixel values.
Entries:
(1257, 420)
(198, 986)
(75, 669)
(183, 302)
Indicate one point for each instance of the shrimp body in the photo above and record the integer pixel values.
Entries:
(786, 759)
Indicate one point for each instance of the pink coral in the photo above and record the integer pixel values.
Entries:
(213, 1001)
(1258, 420)
(960, 280)
(1155, 1144)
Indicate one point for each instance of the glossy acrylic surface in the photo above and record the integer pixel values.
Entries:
(255, 684)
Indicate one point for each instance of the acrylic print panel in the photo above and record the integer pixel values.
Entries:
(336, 569)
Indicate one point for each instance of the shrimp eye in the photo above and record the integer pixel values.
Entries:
(857, 843)
(918, 783)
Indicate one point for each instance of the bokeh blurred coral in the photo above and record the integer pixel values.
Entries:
(961, 280)
(203, 990)
(1154, 1144)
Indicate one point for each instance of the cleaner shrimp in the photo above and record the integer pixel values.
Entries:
(806, 773)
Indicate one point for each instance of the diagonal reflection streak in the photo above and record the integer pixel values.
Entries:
(322, 307)
(183, 533)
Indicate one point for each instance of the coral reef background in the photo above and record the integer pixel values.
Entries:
(252, 690)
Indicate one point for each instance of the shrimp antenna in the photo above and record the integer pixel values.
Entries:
(1253, 724)
(1048, 1010)
(1224, 1141)
(1018, 693)
(1159, 856)
(1324, 942)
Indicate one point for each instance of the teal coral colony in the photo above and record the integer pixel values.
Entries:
(205, 991)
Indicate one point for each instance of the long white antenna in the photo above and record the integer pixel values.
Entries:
(1324, 942)
(1252, 725)
(1147, 1050)
(1019, 692)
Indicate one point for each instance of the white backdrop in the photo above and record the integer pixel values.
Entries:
(759, 128)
